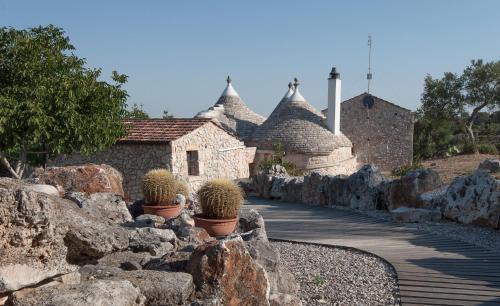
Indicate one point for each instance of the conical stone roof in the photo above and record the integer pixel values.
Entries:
(299, 127)
(233, 113)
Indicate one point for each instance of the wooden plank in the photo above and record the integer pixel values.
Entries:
(459, 291)
(450, 285)
(448, 296)
(430, 301)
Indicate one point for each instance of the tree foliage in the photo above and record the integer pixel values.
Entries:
(136, 112)
(456, 101)
(50, 102)
(167, 115)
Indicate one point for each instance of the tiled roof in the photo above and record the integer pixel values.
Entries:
(159, 130)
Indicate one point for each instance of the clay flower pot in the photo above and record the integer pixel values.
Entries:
(216, 227)
(165, 211)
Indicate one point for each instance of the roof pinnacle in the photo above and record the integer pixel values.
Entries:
(228, 80)
(296, 82)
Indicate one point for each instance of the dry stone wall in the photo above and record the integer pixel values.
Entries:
(219, 154)
(132, 160)
(381, 135)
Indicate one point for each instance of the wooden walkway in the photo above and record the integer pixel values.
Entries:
(431, 269)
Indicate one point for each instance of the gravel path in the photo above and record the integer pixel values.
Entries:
(335, 276)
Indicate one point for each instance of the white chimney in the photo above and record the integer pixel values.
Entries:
(333, 115)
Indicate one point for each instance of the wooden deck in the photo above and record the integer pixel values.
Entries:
(432, 270)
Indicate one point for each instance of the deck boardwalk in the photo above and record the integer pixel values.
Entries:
(432, 270)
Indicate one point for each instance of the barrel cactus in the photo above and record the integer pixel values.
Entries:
(183, 188)
(159, 187)
(220, 199)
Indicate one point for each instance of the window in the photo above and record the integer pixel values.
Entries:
(192, 161)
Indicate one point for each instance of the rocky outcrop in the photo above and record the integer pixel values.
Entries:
(225, 272)
(364, 187)
(91, 293)
(474, 199)
(89, 178)
(490, 165)
(264, 181)
(108, 205)
(406, 191)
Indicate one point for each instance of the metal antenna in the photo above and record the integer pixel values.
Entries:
(369, 74)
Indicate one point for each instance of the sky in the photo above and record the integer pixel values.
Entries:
(178, 54)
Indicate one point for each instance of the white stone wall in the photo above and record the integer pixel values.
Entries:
(132, 160)
(220, 155)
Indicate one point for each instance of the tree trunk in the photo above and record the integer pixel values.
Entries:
(7, 165)
(472, 138)
(470, 123)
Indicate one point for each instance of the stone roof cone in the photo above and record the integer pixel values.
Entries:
(299, 127)
(233, 113)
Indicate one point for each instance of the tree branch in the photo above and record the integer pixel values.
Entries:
(9, 167)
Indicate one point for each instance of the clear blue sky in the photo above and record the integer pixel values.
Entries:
(178, 53)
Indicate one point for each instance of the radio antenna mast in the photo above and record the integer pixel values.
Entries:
(369, 74)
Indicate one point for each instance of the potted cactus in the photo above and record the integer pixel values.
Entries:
(220, 202)
(159, 189)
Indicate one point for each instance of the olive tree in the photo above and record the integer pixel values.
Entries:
(50, 102)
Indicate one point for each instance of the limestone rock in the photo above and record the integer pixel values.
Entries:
(47, 189)
(292, 189)
(153, 221)
(404, 192)
(312, 192)
(283, 299)
(490, 165)
(180, 199)
(224, 270)
(172, 261)
(106, 205)
(155, 241)
(136, 208)
(474, 199)
(364, 187)
(195, 235)
(123, 259)
(406, 214)
(92, 293)
(88, 178)
(251, 222)
(263, 182)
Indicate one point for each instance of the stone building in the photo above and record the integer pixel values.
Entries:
(233, 113)
(381, 132)
(308, 141)
(195, 150)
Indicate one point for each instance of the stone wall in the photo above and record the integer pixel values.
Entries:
(132, 160)
(220, 155)
(381, 135)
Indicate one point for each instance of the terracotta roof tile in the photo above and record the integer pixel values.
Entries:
(159, 130)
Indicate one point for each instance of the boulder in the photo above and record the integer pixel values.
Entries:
(404, 192)
(107, 205)
(282, 299)
(172, 261)
(147, 221)
(263, 182)
(364, 188)
(406, 214)
(155, 241)
(312, 189)
(125, 260)
(490, 165)
(91, 293)
(224, 271)
(292, 190)
(47, 189)
(194, 235)
(89, 178)
(474, 199)
(136, 208)
(336, 191)
(251, 223)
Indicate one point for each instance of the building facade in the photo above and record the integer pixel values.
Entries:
(195, 150)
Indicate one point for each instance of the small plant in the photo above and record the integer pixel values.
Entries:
(468, 148)
(319, 280)
(403, 170)
(486, 148)
(220, 199)
(159, 187)
(182, 188)
(277, 159)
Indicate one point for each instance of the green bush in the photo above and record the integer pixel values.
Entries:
(498, 146)
(277, 159)
(486, 148)
(403, 170)
(467, 148)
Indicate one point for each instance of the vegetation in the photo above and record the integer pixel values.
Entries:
(182, 188)
(405, 169)
(220, 199)
(167, 115)
(486, 148)
(277, 159)
(136, 112)
(50, 102)
(457, 108)
(159, 187)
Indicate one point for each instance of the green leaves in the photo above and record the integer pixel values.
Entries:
(49, 98)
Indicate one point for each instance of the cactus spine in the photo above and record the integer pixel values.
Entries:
(220, 199)
(159, 187)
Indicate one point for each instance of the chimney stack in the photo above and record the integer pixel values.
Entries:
(333, 115)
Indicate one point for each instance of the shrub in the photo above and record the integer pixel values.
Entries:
(277, 159)
(182, 188)
(159, 187)
(403, 170)
(220, 199)
(467, 148)
(486, 148)
(497, 146)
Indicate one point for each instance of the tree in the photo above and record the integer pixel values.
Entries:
(167, 115)
(136, 113)
(50, 103)
(450, 97)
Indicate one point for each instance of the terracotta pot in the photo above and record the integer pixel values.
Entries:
(216, 227)
(165, 211)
